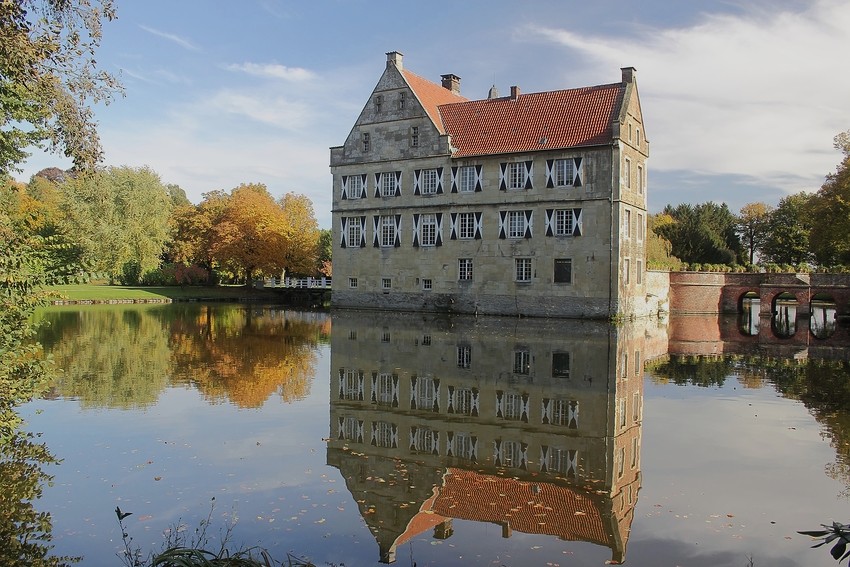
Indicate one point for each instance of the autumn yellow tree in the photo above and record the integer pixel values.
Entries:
(300, 252)
(252, 233)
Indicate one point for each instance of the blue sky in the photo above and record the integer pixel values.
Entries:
(741, 100)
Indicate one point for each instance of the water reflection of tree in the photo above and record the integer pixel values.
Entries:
(823, 386)
(25, 533)
(123, 356)
(693, 370)
(116, 357)
(245, 355)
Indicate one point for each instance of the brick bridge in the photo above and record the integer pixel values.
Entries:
(723, 294)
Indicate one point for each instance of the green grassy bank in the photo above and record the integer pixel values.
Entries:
(97, 293)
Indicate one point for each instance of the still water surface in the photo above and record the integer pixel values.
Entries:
(362, 438)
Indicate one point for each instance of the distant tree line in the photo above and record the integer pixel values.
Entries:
(804, 231)
(123, 223)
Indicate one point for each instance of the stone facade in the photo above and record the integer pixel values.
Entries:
(425, 219)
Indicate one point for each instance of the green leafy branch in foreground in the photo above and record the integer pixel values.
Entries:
(836, 531)
(189, 549)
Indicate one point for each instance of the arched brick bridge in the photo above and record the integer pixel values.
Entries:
(710, 292)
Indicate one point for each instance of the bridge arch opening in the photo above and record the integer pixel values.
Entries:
(824, 310)
(784, 320)
(749, 307)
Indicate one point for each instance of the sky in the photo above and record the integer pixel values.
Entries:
(741, 99)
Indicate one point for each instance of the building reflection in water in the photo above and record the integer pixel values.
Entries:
(532, 425)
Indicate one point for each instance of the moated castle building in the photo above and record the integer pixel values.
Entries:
(528, 204)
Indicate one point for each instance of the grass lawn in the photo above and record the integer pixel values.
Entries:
(96, 292)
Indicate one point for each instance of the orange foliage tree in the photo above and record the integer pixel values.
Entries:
(247, 232)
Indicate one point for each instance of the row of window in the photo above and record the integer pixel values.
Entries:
(523, 273)
(564, 172)
(427, 228)
(463, 445)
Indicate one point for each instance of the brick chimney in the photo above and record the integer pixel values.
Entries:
(451, 82)
(629, 74)
(394, 58)
(514, 92)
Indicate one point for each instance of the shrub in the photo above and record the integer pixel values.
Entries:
(131, 273)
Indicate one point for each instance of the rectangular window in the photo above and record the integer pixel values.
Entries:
(386, 283)
(564, 222)
(388, 184)
(627, 174)
(367, 142)
(516, 175)
(352, 282)
(385, 336)
(429, 181)
(523, 269)
(513, 406)
(466, 179)
(425, 440)
(464, 269)
(565, 412)
(351, 385)
(637, 138)
(424, 393)
(384, 434)
(560, 365)
(627, 224)
(355, 187)
(414, 136)
(384, 395)
(563, 270)
(463, 401)
(627, 270)
(464, 446)
(517, 224)
(639, 274)
(565, 461)
(401, 100)
(636, 407)
(427, 284)
(388, 231)
(640, 227)
(564, 172)
(426, 340)
(466, 226)
(640, 179)
(354, 232)
(464, 356)
(428, 229)
(352, 335)
(522, 362)
(379, 102)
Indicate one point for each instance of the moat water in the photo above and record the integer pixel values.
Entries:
(366, 438)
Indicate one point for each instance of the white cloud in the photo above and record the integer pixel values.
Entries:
(268, 109)
(273, 71)
(760, 94)
(182, 42)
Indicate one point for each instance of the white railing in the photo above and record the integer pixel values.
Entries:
(306, 283)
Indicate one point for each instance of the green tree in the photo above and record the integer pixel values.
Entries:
(831, 207)
(324, 253)
(118, 216)
(788, 227)
(752, 227)
(49, 77)
(702, 233)
(659, 251)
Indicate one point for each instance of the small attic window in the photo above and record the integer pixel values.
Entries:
(401, 100)
(367, 142)
(379, 102)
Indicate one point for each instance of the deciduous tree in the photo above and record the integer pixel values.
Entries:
(702, 233)
(787, 239)
(299, 255)
(831, 207)
(752, 226)
(117, 216)
(49, 77)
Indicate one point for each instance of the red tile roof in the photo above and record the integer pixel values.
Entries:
(535, 121)
(431, 96)
(530, 122)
